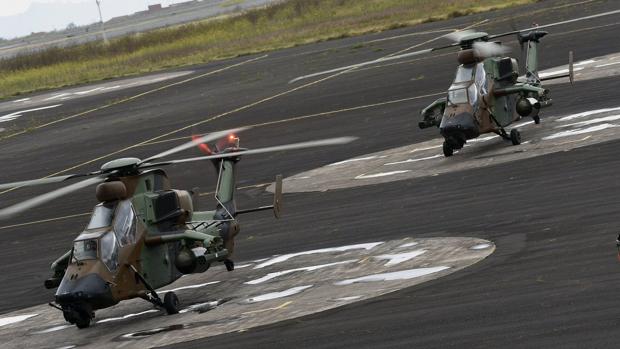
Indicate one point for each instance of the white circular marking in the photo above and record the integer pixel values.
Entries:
(555, 134)
(282, 288)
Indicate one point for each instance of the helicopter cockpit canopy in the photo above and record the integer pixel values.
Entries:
(112, 225)
(469, 80)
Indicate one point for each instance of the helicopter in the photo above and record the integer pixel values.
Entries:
(487, 94)
(143, 235)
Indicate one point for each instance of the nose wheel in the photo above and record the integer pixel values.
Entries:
(171, 303)
(515, 136)
(447, 149)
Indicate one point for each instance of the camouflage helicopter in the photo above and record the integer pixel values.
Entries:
(143, 234)
(487, 93)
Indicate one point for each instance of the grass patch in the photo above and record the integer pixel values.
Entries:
(282, 25)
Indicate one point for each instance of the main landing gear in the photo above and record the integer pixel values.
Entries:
(170, 302)
(514, 137)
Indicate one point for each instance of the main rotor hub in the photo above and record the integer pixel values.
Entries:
(123, 165)
(466, 41)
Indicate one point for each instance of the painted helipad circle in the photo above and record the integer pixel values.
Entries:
(554, 134)
(255, 294)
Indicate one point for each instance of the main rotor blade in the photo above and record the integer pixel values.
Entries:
(302, 145)
(204, 139)
(47, 197)
(555, 24)
(41, 181)
(489, 49)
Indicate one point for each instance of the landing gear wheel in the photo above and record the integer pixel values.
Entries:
(447, 149)
(171, 303)
(82, 318)
(230, 265)
(536, 119)
(515, 136)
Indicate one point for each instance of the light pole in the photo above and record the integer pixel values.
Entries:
(105, 38)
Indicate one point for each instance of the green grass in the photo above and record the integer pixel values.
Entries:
(290, 23)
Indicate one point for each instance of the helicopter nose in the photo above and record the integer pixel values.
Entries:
(462, 126)
(91, 289)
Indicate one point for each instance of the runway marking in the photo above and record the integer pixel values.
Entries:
(395, 259)
(274, 275)
(14, 115)
(413, 160)
(286, 257)
(54, 329)
(586, 113)
(190, 287)
(128, 316)
(592, 121)
(352, 160)
(124, 100)
(580, 131)
(394, 276)
(281, 294)
(382, 174)
(15, 319)
(607, 64)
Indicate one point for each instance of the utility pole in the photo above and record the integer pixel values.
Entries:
(105, 38)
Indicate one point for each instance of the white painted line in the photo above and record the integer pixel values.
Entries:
(394, 259)
(88, 91)
(587, 113)
(127, 316)
(15, 319)
(382, 174)
(585, 62)
(558, 72)
(15, 115)
(409, 244)
(593, 121)
(353, 160)
(413, 160)
(606, 65)
(271, 276)
(397, 275)
(426, 148)
(276, 295)
(580, 131)
(57, 96)
(110, 87)
(54, 329)
(200, 306)
(190, 287)
(286, 257)
(21, 100)
(346, 299)
(482, 139)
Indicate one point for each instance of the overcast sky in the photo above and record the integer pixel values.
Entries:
(22, 17)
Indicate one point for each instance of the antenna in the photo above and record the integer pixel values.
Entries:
(105, 38)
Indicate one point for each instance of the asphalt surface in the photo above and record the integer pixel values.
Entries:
(550, 283)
